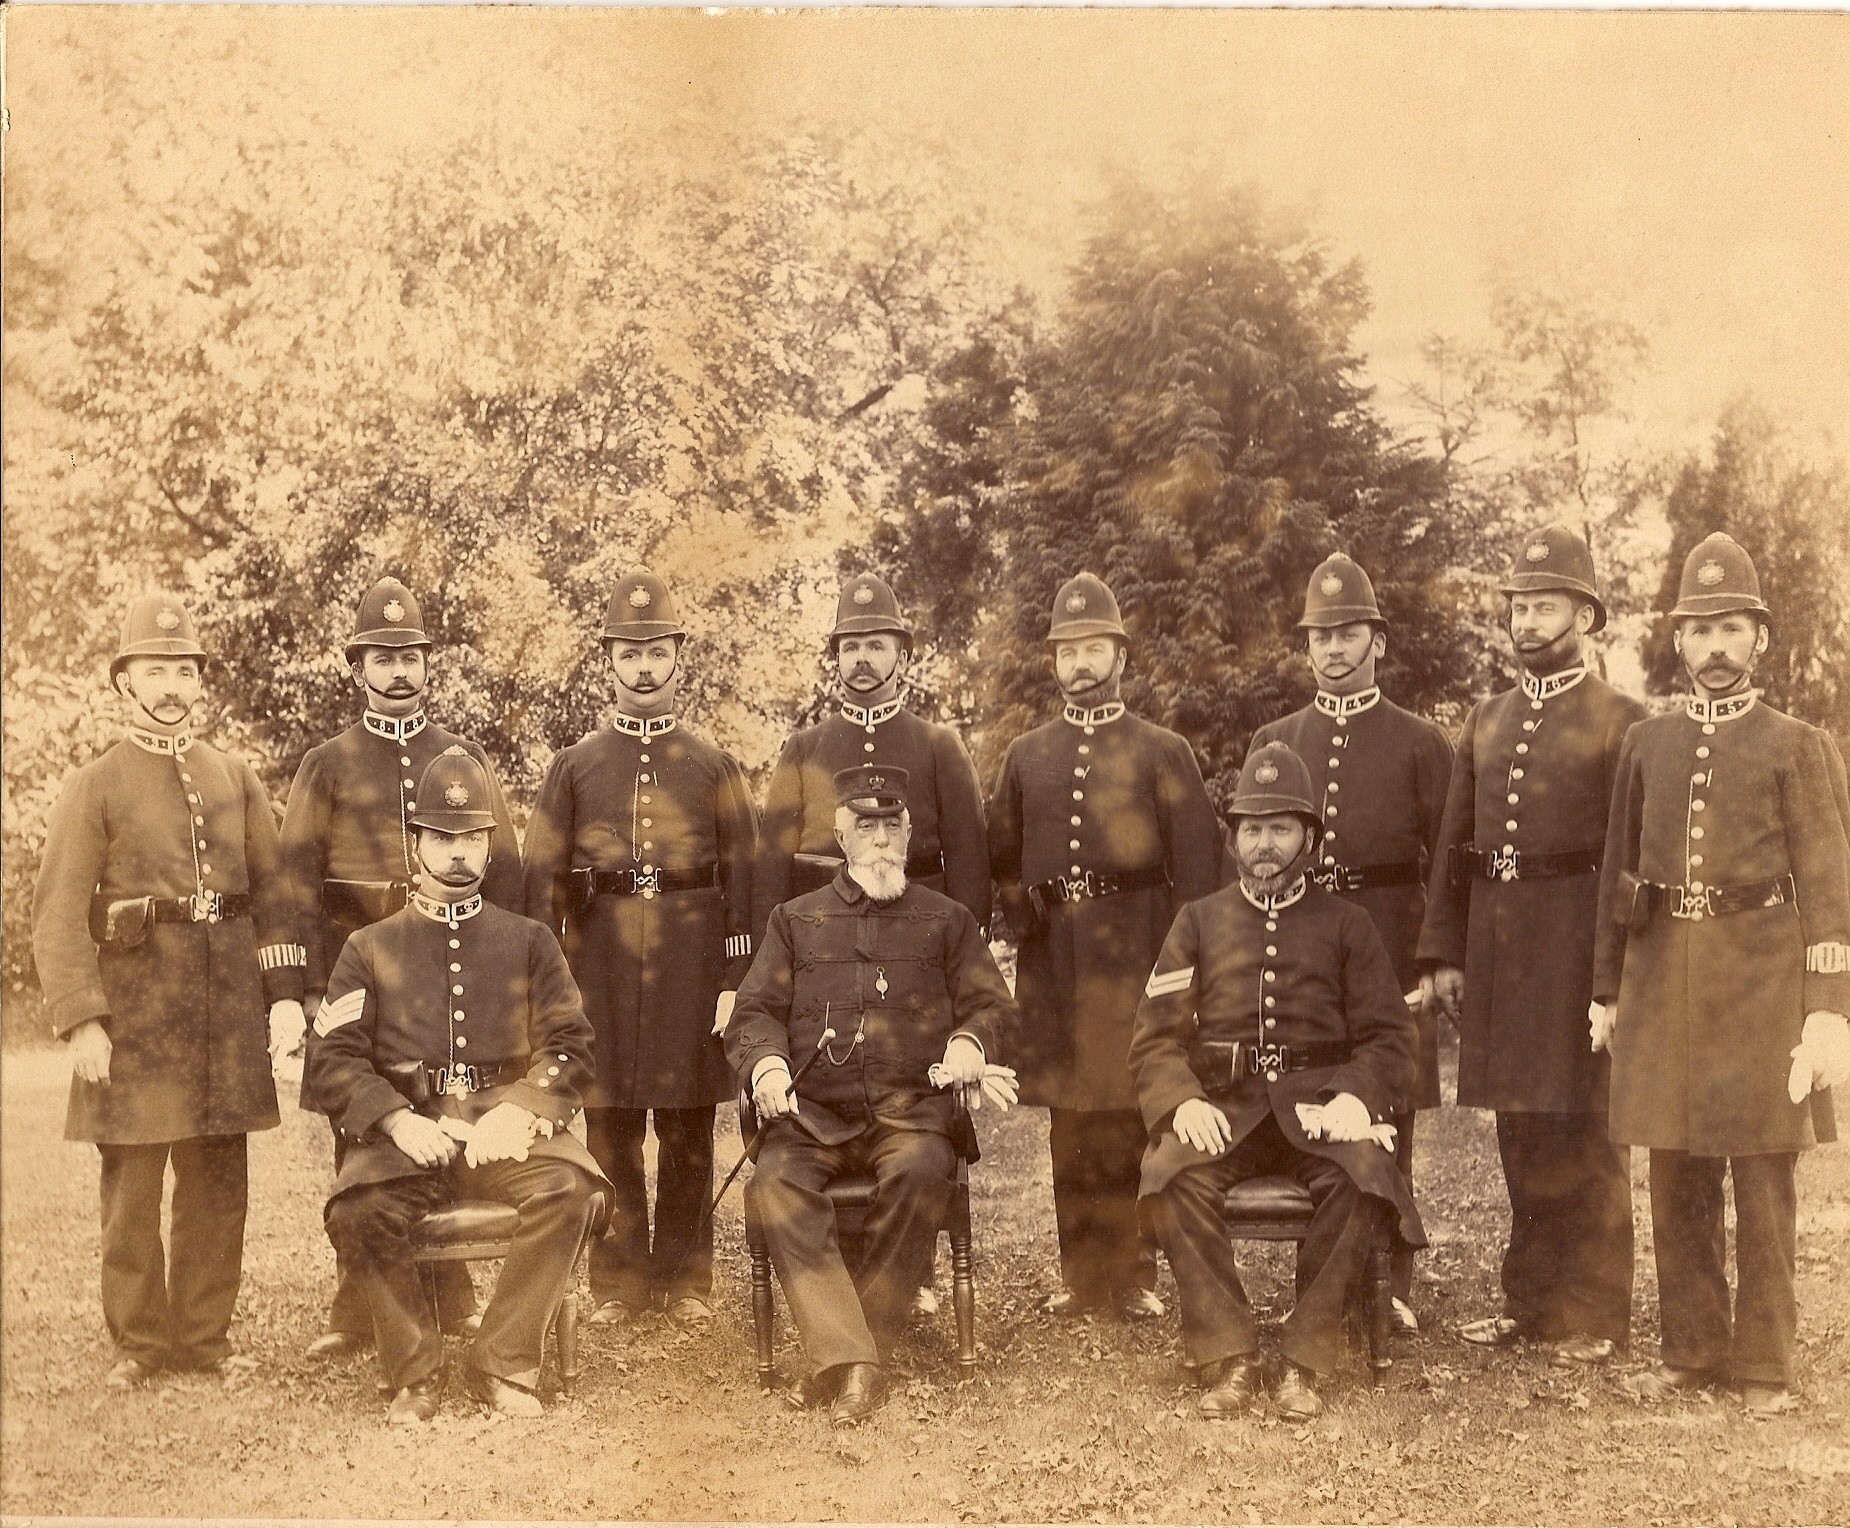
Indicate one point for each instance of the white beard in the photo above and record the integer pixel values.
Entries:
(883, 880)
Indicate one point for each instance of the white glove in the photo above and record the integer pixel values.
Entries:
(1312, 1119)
(287, 1026)
(1346, 1118)
(1822, 1058)
(503, 1134)
(997, 1084)
(722, 1011)
(1602, 1019)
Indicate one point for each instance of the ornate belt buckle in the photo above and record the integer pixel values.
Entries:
(648, 882)
(1065, 890)
(1501, 866)
(458, 1081)
(206, 907)
(1268, 1058)
(1693, 907)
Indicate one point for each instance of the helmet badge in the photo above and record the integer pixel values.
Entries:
(863, 595)
(456, 793)
(1709, 574)
(639, 598)
(876, 782)
(1331, 585)
(1266, 774)
(393, 611)
(1075, 602)
(168, 619)
(1536, 551)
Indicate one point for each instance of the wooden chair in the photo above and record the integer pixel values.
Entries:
(853, 1196)
(1277, 1209)
(475, 1230)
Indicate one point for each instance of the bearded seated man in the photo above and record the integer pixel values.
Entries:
(1272, 1039)
(887, 996)
(453, 1050)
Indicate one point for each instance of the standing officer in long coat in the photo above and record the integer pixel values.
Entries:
(1510, 916)
(347, 850)
(878, 981)
(872, 645)
(1722, 978)
(640, 849)
(1272, 1038)
(1099, 829)
(453, 1050)
(161, 932)
(1378, 774)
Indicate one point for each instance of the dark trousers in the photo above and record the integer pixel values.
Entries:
(371, 1225)
(623, 1264)
(1754, 1341)
(1568, 1267)
(347, 1312)
(1217, 1322)
(1400, 1259)
(1097, 1160)
(173, 1305)
(843, 1317)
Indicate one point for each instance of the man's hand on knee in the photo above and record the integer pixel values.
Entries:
(503, 1134)
(423, 1140)
(1203, 1126)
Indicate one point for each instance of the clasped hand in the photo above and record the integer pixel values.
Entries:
(1444, 987)
(974, 1078)
(503, 1134)
(1822, 1058)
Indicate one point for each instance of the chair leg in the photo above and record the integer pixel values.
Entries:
(566, 1326)
(1380, 1311)
(963, 1299)
(763, 1314)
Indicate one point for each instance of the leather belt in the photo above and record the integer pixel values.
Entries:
(1520, 865)
(1712, 901)
(1362, 877)
(125, 921)
(207, 907)
(471, 1077)
(628, 883)
(1219, 1063)
(1095, 883)
(363, 902)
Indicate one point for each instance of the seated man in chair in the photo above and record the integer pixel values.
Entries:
(1272, 1039)
(452, 1049)
(873, 986)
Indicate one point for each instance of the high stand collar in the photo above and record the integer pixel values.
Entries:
(1093, 716)
(644, 727)
(1347, 705)
(1278, 903)
(398, 729)
(450, 913)
(167, 744)
(872, 716)
(1722, 709)
(1554, 684)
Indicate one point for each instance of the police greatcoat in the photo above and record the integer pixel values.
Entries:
(348, 818)
(492, 992)
(943, 797)
(1313, 972)
(1110, 797)
(185, 1003)
(1533, 774)
(651, 967)
(1709, 1008)
(1378, 775)
(904, 976)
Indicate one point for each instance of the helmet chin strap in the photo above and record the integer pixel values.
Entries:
(667, 679)
(147, 721)
(1294, 867)
(372, 689)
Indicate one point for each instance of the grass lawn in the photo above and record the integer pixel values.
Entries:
(1064, 1421)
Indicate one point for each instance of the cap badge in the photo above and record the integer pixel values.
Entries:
(863, 595)
(1331, 585)
(168, 619)
(393, 611)
(876, 782)
(1709, 574)
(456, 793)
(1536, 551)
(639, 598)
(1075, 602)
(1266, 774)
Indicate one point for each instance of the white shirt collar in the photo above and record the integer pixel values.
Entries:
(644, 727)
(872, 716)
(1347, 705)
(1275, 904)
(161, 743)
(1093, 716)
(399, 729)
(451, 913)
(1722, 710)
(1554, 684)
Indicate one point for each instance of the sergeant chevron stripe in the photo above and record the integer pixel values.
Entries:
(1163, 984)
(343, 1010)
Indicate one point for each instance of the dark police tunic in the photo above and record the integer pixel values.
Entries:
(1379, 775)
(651, 964)
(1109, 797)
(185, 1001)
(942, 795)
